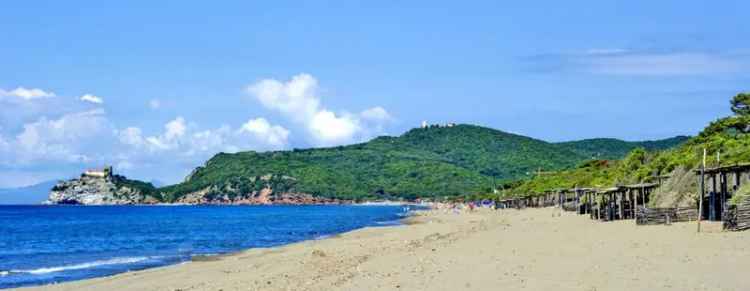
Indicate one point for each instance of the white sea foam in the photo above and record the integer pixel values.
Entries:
(115, 261)
(323, 236)
(4, 273)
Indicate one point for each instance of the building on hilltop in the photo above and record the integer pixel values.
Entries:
(437, 125)
(105, 172)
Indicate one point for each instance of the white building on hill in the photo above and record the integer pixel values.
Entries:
(98, 173)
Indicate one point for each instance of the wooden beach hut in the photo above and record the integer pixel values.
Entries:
(582, 199)
(550, 199)
(505, 203)
(568, 199)
(637, 195)
(610, 205)
(721, 182)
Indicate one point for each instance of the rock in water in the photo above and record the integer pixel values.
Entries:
(101, 188)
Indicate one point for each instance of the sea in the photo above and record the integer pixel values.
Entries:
(50, 244)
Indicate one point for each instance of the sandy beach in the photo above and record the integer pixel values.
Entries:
(531, 249)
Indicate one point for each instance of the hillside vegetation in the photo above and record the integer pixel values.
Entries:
(611, 149)
(729, 137)
(425, 162)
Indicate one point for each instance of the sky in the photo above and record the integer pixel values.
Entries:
(155, 88)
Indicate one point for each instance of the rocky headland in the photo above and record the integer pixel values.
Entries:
(101, 187)
(261, 190)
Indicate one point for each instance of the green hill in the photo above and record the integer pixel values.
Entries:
(434, 161)
(610, 148)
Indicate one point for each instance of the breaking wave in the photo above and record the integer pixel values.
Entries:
(88, 265)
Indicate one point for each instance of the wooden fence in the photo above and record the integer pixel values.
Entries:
(738, 217)
(570, 206)
(652, 216)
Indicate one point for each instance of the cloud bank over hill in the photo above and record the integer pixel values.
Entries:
(43, 130)
(298, 100)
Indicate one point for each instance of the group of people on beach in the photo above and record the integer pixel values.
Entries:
(468, 206)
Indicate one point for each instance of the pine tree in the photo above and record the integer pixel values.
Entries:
(741, 104)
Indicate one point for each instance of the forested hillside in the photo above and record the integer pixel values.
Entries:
(426, 162)
(611, 149)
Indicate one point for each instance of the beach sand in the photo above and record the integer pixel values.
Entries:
(531, 249)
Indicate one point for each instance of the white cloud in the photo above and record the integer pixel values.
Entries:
(175, 128)
(61, 134)
(21, 106)
(182, 139)
(62, 139)
(661, 64)
(154, 104)
(376, 113)
(298, 100)
(331, 129)
(131, 136)
(70, 127)
(26, 94)
(617, 61)
(181, 145)
(92, 99)
(210, 141)
(262, 130)
(157, 143)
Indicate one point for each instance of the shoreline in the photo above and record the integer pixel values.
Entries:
(530, 249)
(342, 202)
(212, 257)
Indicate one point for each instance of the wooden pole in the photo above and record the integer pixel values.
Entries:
(643, 196)
(635, 205)
(703, 190)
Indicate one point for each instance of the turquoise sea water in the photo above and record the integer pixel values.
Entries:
(46, 244)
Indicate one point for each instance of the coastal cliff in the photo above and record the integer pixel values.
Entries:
(265, 196)
(96, 187)
(259, 190)
(103, 188)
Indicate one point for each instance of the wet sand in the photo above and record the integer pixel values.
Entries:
(532, 249)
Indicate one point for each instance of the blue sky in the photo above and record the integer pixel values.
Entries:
(171, 83)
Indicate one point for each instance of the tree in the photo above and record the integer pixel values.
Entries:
(741, 104)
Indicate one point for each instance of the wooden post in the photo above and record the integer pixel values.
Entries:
(632, 203)
(594, 205)
(635, 205)
(613, 203)
(724, 194)
(643, 196)
(702, 191)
